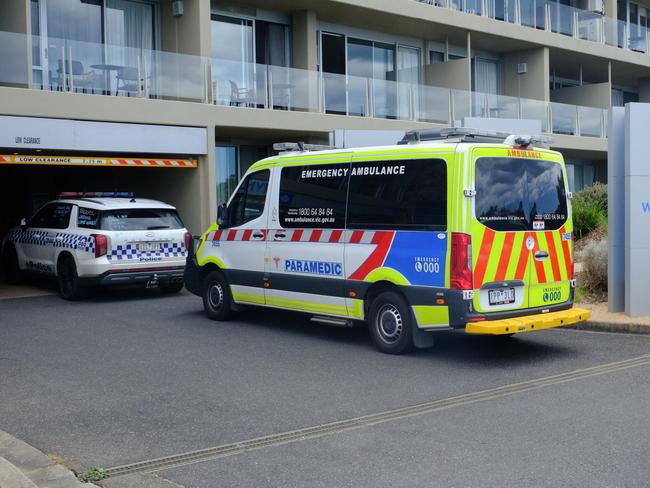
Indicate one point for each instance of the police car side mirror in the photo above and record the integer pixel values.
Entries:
(23, 223)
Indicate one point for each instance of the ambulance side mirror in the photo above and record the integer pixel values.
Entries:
(23, 223)
(222, 215)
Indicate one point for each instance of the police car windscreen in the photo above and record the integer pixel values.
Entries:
(140, 219)
(520, 194)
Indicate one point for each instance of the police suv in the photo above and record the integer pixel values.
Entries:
(449, 229)
(87, 239)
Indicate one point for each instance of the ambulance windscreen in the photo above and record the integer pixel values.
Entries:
(517, 194)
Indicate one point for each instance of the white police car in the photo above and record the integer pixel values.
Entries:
(87, 239)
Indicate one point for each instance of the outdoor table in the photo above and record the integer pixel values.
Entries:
(108, 68)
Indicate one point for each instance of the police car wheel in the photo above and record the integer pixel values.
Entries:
(390, 322)
(10, 269)
(216, 296)
(68, 280)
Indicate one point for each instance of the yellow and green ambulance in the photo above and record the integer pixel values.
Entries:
(449, 229)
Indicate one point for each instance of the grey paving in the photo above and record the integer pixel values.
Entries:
(129, 376)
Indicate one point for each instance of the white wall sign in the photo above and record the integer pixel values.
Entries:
(78, 135)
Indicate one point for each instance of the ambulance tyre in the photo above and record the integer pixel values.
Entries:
(68, 280)
(10, 270)
(216, 296)
(390, 323)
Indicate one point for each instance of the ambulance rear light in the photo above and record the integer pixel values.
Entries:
(461, 261)
(101, 244)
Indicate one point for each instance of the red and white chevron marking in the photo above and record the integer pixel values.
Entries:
(5, 159)
(297, 235)
(178, 163)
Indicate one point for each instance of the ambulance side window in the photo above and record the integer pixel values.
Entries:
(313, 196)
(248, 202)
(400, 195)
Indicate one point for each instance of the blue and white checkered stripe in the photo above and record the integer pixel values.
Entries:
(129, 252)
(61, 240)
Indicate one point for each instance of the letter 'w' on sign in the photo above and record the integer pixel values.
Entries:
(645, 206)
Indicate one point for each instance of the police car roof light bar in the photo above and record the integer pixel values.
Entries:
(97, 194)
(300, 147)
(466, 134)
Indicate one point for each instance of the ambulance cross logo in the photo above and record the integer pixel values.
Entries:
(276, 259)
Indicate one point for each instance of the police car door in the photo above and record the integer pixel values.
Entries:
(53, 234)
(30, 240)
(305, 253)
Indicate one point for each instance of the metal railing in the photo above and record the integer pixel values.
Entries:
(555, 17)
(99, 69)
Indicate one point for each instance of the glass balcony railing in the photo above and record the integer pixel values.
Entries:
(98, 69)
(555, 17)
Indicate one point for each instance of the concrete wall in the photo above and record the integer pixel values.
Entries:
(189, 33)
(452, 74)
(592, 95)
(532, 84)
(644, 90)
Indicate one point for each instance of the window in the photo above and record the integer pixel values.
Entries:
(248, 202)
(406, 195)
(140, 219)
(52, 216)
(313, 196)
(520, 194)
(41, 217)
(87, 218)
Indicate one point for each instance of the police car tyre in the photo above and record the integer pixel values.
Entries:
(10, 270)
(171, 287)
(390, 323)
(68, 280)
(216, 296)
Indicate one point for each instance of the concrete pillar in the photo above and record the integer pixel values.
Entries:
(532, 84)
(189, 33)
(15, 46)
(610, 8)
(305, 52)
(644, 90)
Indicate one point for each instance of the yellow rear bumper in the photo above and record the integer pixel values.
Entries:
(529, 323)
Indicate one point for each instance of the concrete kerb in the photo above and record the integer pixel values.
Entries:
(604, 321)
(22, 465)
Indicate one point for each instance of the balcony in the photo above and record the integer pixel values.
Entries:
(104, 70)
(558, 18)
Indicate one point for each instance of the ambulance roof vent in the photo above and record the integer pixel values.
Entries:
(300, 146)
(465, 134)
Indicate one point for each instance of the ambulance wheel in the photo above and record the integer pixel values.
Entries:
(390, 323)
(216, 296)
(10, 269)
(171, 287)
(68, 279)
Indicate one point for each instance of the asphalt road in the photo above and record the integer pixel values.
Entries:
(132, 376)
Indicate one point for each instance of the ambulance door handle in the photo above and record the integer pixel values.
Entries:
(258, 235)
(541, 255)
(279, 236)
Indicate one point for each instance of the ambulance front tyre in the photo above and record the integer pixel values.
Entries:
(70, 288)
(216, 296)
(390, 323)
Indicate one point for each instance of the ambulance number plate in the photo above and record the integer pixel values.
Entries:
(501, 297)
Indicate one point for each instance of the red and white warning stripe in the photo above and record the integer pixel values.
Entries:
(178, 163)
(4, 159)
(297, 235)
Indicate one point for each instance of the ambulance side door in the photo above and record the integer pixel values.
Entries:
(304, 263)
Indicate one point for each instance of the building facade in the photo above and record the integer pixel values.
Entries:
(175, 99)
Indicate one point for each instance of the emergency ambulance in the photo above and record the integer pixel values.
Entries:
(99, 238)
(448, 229)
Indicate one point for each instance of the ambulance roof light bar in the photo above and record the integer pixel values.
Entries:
(300, 147)
(466, 134)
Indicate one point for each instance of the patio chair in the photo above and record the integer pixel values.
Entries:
(241, 96)
(81, 79)
(129, 81)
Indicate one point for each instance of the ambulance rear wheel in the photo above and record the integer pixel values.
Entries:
(389, 319)
(68, 280)
(216, 296)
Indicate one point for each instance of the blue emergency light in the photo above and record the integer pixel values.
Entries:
(97, 194)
